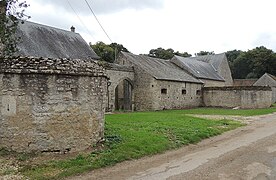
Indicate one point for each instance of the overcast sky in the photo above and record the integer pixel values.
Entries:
(183, 25)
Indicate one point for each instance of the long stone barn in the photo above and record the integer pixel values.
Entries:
(142, 83)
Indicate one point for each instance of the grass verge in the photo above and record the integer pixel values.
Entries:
(221, 111)
(132, 136)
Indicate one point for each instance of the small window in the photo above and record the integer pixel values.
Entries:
(184, 91)
(163, 91)
(198, 92)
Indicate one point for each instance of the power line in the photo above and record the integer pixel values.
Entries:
(88, 31)
(98, 20)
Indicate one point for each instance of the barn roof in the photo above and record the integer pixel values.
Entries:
(44, 41)
(273, 77)
(266, 80)
(203, 67)
(214, 59)
(160, 69)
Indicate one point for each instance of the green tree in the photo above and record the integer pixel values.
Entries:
(184, 54)
(254, 63)
(161, 53)
(231, 56)
(166, 53)
(118, 47)
(203, 53)
(11, 13)
(108, 52)
(241, 66)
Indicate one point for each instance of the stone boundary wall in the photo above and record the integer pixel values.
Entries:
(75, 67)
(51, 105)
(245, 97)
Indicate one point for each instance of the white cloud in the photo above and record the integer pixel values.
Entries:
(105, 6)
(184, 25)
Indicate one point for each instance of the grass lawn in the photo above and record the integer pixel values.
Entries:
(134, 135)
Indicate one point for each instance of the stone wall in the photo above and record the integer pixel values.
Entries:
(51, 105)
(143, 92)
(225, 72)
(178, 95)
(273, 94)
(243, 97)
(213, 83)
(149, 93)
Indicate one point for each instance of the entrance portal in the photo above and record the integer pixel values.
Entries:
(123, 96)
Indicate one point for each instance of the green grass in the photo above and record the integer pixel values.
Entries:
(221, 111)
(132, 136)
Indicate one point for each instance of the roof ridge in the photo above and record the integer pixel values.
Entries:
(48, 26)
(272, 76)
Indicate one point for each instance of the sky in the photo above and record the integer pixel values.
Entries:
(183, 25)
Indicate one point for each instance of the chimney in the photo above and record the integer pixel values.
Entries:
(73, 29)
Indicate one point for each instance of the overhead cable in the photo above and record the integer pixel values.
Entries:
(98, 21)
(88, 31)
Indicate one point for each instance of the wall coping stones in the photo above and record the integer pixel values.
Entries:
(117, 67)
(64, 66)
(239, 88)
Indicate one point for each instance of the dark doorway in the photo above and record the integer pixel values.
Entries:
(123, 96)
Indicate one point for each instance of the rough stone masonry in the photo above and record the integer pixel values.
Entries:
(51, 105)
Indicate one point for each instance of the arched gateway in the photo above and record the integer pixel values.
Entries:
(120, 89)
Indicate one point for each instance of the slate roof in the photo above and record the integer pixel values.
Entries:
(160, 69)
(199, 67)
(214, 59)
(48, 42)
(266, 80)
(273, 77)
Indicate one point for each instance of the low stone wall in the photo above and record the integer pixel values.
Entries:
(243, 97)
(51, 105)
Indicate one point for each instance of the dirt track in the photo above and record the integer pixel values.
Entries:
(245, 153)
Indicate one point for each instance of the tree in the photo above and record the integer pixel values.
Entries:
(231, 56)
(203, 53)
(166, 53)
(118, 47)
(254, 63)
(161, 53)
(241, 66)
(108, 52)
(11, 13)
(185, 54)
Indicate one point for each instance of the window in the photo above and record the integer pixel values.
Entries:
(163, 91)
(184, 91)
(198, 92)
